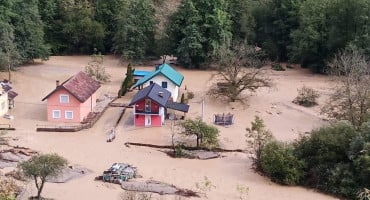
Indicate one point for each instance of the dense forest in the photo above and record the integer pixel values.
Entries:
(308, 32)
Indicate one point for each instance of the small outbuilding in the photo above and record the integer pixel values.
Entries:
(72, 100)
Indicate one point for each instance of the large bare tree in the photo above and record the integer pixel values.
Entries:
(351, 98)
(239, 69)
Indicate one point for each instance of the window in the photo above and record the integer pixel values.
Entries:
(68, 115)
(64, 98)
(147, 105)
(164, 84)
(151, 82)
(56, 114)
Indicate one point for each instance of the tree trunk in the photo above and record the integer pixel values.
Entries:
(39, 190)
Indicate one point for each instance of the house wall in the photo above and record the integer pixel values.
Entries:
(53, 103)
(4, 106)
(171, 87)
(139, 120)
(87, 106)
(156, 120)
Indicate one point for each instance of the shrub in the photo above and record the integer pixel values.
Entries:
(182, 98)
(190, 95)
(279, 163)
(277, 67)
(325, 153)
(178, 151)
(306, 97)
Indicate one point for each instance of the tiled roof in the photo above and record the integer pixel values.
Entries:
(167, 71)
(81, 86)
(154, 92)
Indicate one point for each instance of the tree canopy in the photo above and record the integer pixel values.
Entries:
(307, 32)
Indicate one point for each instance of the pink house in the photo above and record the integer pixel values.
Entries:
(149, 106)
(72, 100)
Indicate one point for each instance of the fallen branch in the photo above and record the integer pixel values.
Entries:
(184, 147)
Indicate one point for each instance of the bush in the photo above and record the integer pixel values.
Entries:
(306, 97)
(277, 67)
(279, 163)
(327, 161)
(190, 95)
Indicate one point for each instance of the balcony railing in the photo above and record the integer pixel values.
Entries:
(146, 112)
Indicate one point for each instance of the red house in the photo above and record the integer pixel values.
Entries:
(72, 100)
(149, 106)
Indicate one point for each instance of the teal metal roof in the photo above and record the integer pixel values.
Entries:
(167, 71)
(141, 73)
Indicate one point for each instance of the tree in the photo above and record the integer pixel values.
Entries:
(275, 20)
(351, 98)
(95, 68)
(41, 167)
(257, 138)
(81, 31)
(134, 38)
(198, 29)
(238, 71)
(128, 81)
(306, 97)
(187, 31)
(243, 22)
(28, 31)
(327, 26)
(280, 164)
(206, 135)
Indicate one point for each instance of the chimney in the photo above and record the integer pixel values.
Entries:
(160, 94)
(57, 83)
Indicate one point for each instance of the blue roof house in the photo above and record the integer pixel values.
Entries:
(165, 76)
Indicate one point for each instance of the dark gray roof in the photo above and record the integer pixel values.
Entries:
(177, 106)
(154, 92)
(12, 94)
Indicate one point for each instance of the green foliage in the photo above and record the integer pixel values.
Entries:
(8, 188)
(277, 66)
(306, 96)
(190, 95)
(257, 137)
(182, 98)
(197, 29)
(206, 135)
(127, 82)
(327, 164)
(41, 167)
(135, 30)
(328, 26)
(275, 21)
(28, 31)
(280, 164)
(95, 68)
(205, 186)
(178, 151)
(243, 23)
(84, 33)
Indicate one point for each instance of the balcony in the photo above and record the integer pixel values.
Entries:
(146, 112)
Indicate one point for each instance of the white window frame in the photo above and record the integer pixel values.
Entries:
(54, 116)
(63, 95)
(65, 114)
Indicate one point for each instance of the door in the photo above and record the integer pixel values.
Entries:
(148, 120)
